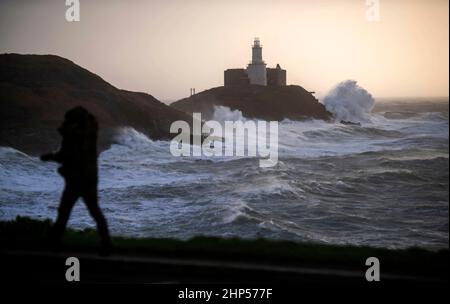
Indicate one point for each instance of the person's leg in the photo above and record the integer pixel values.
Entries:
(68, 199)
(91, 200)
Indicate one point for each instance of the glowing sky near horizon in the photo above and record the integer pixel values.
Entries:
(166, 47)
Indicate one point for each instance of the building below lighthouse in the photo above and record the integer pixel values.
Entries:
(256, 72)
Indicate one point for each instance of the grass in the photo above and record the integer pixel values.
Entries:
(29, 234)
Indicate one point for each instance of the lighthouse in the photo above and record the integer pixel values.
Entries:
(256, 70)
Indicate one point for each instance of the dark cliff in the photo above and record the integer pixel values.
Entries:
(36, 91)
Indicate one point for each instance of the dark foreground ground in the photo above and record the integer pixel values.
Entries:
(25, 256)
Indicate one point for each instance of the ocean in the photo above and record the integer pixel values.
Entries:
(383, 183)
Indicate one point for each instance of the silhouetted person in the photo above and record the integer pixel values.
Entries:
(78, 157)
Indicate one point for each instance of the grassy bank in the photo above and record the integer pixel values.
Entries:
(28, 235)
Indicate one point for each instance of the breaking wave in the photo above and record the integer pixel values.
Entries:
(349, 102)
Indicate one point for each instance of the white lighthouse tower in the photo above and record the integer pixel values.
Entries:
(256, 70)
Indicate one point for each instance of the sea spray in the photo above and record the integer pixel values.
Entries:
(222, 114)
(349, 102)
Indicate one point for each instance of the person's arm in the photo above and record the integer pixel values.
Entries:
(56, 157)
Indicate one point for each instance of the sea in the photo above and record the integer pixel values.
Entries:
(382, 183)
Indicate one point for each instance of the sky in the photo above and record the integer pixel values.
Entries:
(166, 47)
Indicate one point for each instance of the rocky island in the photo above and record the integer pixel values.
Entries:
(256, 101)
(258, 92)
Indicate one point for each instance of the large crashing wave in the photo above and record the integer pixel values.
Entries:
(349, 102)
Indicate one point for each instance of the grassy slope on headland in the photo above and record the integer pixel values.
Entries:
(30, 235)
